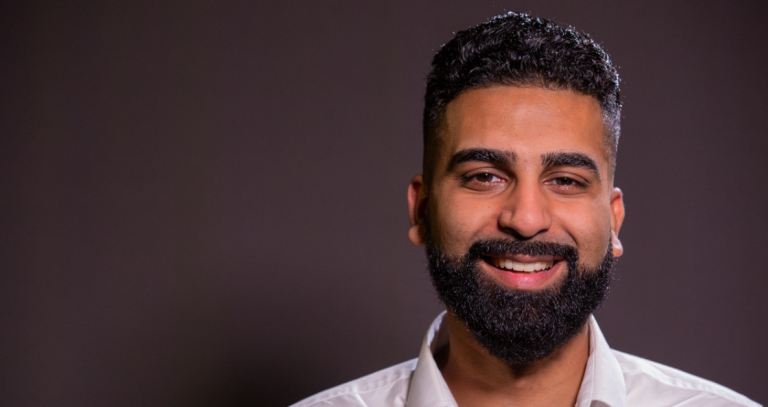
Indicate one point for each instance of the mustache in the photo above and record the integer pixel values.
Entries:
(490, 247)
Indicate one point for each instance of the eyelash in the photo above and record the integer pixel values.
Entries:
(468, 178)
(570, 180)
(566, 182)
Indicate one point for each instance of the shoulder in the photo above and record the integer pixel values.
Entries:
(651, 383)
(388, 387)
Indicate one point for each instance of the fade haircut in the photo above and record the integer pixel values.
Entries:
(519, 50)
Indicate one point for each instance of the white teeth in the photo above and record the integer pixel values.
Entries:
(524, 267)
(529, 266)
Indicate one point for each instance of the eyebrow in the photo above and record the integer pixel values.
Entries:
(565, 159)
(497, 157)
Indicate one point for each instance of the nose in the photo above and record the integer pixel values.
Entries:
(526, 211)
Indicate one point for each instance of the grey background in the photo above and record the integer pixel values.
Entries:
(203, 204)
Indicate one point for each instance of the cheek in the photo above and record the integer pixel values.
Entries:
(589, 225)
(460, 221)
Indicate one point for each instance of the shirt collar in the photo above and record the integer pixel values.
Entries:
(428, 387)
(603, 379)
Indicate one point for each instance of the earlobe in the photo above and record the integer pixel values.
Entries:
(617, 218)
(417, 200)
(616, 246)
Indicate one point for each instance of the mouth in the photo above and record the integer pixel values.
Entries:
(522, 263)
(529, 266)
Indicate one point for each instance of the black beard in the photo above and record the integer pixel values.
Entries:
(519, 326)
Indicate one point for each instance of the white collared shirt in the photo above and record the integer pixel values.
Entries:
(611, 379)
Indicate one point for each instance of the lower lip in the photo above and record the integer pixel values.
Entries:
(524, 281)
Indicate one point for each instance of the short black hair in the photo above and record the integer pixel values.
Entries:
(519, 50)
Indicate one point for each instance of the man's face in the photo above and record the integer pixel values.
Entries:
(521, 218)
(526, 164)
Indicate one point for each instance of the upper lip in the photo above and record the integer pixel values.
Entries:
(525, 258)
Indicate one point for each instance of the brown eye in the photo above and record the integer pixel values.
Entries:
(567, 185)
(482, 181)
(485, 177)
(565, 181)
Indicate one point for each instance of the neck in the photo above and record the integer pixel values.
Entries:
(477, 378)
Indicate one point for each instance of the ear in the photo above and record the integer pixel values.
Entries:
(417, 209)
(617, 218)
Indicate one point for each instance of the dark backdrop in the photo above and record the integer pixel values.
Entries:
(204, 203)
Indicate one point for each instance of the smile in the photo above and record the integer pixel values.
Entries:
(519, 266)
(523, 271)
(505, 264)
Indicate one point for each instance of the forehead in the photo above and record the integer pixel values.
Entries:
(528, 121)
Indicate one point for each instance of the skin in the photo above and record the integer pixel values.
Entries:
(522, 199)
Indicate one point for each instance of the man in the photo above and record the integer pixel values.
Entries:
(520, 219)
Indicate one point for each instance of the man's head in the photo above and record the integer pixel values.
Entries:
(518, 50)
(517, 205)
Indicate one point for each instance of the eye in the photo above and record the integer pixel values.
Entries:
(567, 185)
(484, 177)
(483, 180)
(565, 181)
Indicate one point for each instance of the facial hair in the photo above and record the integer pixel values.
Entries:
(519, 326)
